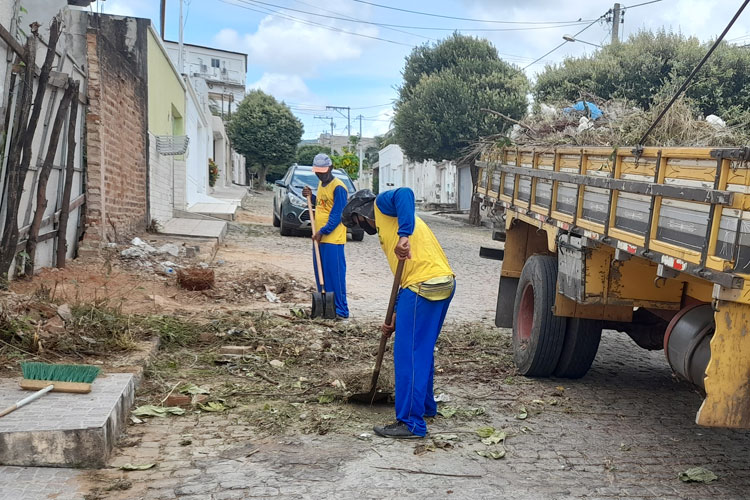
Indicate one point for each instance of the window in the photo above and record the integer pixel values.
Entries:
(215, 63)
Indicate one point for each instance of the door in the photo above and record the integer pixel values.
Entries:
(465, 188)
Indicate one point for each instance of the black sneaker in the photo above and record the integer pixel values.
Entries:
(396, 430)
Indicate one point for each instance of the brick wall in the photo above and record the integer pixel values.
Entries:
(117, 128)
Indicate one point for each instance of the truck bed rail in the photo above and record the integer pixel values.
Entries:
(687, 209)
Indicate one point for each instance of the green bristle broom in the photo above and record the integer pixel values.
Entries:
(43, 378)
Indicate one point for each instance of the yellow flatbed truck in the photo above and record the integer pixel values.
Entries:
(654, 242)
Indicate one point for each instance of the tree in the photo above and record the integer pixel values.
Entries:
(446, 85)
(650, 65)
(264, 131)
(307, 152)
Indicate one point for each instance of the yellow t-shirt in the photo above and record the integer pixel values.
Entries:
(323, 207)
(428, 261)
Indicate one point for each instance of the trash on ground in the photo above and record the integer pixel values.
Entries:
(697, 475)
(137, 467)
(157, 411)
(493, 454)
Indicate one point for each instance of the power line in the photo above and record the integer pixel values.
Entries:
(640, 4)
(566, 41)
(313, 23)
(350, 17)
(427, 28)
(463, 18)
(693, 73)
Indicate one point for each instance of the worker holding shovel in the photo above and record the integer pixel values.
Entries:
(427, 287)
(330, 201)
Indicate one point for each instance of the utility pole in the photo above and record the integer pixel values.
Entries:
(332, 125)
(180, 62)
(348, 116)
(616, 13)
(360, 125)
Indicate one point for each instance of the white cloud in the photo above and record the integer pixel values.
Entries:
(115, 7)
(284, 87)
(282, 45)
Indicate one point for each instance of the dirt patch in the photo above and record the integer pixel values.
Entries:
(236, 286)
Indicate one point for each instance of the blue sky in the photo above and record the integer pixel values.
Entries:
(315, 55)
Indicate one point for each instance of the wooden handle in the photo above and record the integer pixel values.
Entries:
(315, 246)
(8, 410)
(388, 320)
(72, 387)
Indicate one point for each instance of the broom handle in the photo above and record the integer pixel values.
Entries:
(388, 320)
(315, 245)
(27, 400)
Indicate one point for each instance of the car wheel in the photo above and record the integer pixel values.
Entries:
(284, 228)
(538, 334)
(358, 235)
(276, 220)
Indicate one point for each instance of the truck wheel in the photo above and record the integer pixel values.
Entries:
(581, 342)
(537, 333)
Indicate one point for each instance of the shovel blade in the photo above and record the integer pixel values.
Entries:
(329, 306)
(318, 305)
(370, 398)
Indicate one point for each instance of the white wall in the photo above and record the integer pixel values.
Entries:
(432, 183)
(196, 162)
(161, 183)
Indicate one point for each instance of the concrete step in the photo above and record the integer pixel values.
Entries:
(65, 430)
(223, 211)
(195, 228)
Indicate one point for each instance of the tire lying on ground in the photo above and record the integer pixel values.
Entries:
(579, 348)
(538, 334)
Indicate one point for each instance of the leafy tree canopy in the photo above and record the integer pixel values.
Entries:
(265, 131)
(446, 85)
(307, 152)
(650, 65)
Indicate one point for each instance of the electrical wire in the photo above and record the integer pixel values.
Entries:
(274, 13)
(352, 18)
(464, 18)
(639, 4)
(427, 28)
(694, 72)
(566, 41)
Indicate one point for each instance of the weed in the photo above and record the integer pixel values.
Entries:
(173, 331)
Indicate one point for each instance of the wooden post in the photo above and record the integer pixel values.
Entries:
(44, 173)
(16, 174)
(19, 157)
(62, 228)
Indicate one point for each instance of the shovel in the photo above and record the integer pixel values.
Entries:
(374, 396)
(322, 303)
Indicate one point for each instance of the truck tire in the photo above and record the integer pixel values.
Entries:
(538, 334)
(581, 342)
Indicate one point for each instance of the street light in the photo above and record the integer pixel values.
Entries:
(569, 38)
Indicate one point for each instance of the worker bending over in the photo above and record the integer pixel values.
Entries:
(427, 287)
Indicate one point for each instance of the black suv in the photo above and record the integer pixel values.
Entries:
(290, 212)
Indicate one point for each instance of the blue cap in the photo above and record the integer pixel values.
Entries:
(321, 162)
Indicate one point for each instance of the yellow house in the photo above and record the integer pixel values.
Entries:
(166, 126)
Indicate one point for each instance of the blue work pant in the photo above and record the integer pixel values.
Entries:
(334, 273)
(418, 324)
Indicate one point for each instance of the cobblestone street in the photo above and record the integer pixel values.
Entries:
(626, 430)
